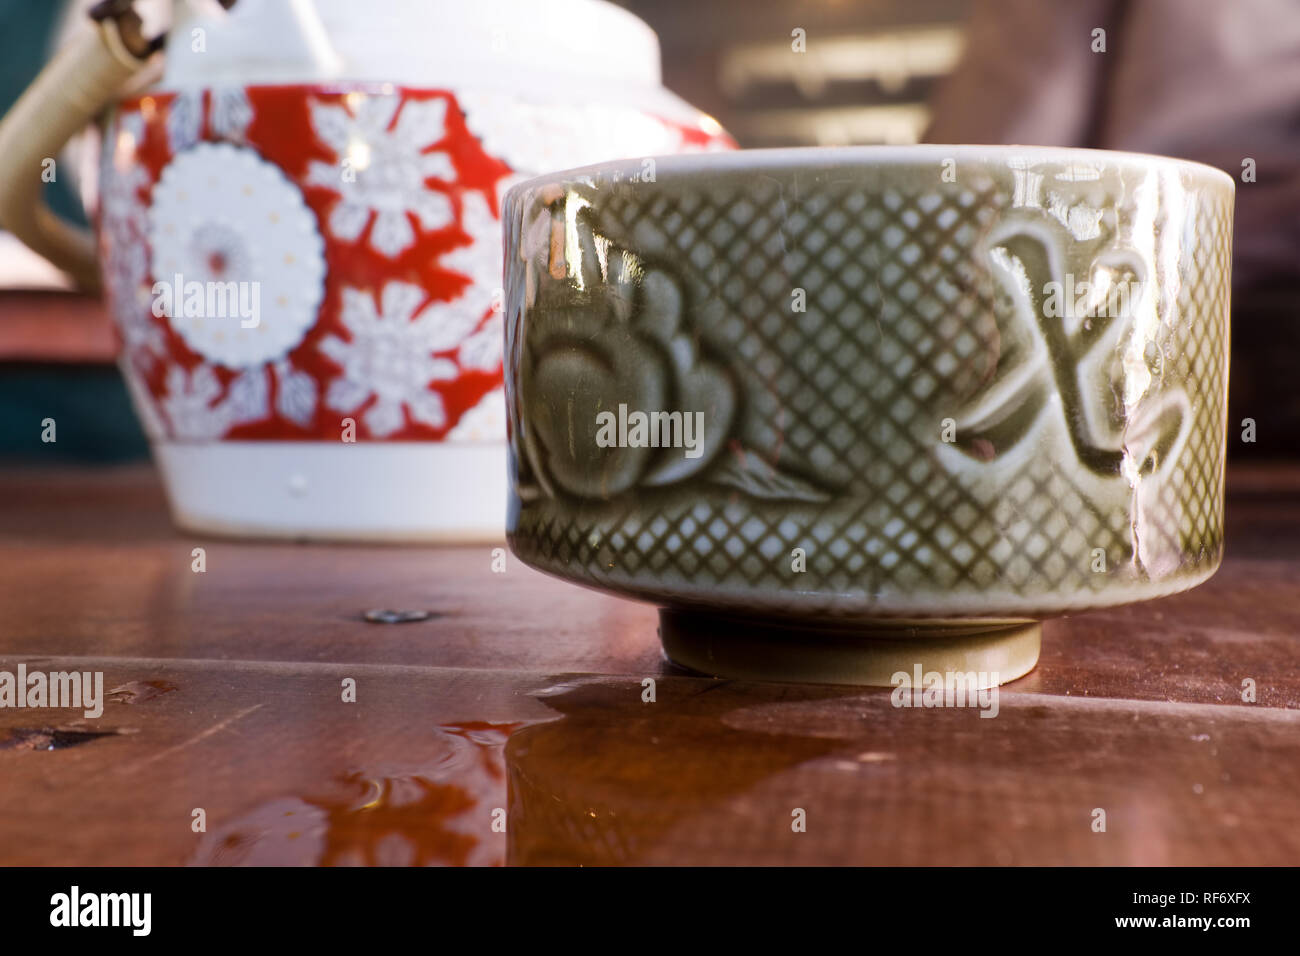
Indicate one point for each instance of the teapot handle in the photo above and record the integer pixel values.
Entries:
(69, 92)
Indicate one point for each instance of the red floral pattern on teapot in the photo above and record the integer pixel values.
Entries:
(279, 259)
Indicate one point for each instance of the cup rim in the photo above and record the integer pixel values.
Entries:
(813, 158)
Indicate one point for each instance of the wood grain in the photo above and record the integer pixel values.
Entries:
(520, 704)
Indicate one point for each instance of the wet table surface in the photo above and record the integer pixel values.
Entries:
(511, 726)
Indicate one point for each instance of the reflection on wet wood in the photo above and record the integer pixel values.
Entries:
(511, 726)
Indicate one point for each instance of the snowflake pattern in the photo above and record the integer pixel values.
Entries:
(123, 221)
(228, 117)
(295, 396)
(408, 334)
(382, 167)
(480, 262)
(196, 410)
(534, 137)
(391, 359)
(485, 422)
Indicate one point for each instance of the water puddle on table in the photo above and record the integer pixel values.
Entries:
(435, 812)
(702, 774)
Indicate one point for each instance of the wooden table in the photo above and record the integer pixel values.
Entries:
(511, 727)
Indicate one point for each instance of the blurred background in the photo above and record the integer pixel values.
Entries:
(1211, 80)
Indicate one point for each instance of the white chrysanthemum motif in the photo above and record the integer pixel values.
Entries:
(536, 137)
(195, 414)
(228, 117)
(485, 422)
(390, 356)
(382, 166)
(228, 220)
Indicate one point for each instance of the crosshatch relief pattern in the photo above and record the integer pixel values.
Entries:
(923, 304)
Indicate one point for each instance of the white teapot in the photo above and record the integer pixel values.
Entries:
(299, 236)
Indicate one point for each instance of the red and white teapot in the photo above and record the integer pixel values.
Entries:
(299, 236)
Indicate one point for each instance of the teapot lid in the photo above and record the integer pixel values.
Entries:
(582, 45)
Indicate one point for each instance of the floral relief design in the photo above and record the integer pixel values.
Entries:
(624, 344)
(383, 161)
(390, 358)
(605, 329)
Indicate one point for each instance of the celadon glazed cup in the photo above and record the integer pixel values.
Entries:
(842, 413)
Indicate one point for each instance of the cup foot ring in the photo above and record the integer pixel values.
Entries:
(861, 653)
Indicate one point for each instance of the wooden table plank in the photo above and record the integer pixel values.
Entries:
(525, 695)
(85, 577)
(710, 772)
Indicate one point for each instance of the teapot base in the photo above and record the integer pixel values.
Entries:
(431, 492)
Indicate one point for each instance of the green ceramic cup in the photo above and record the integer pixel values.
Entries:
(844, 412)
